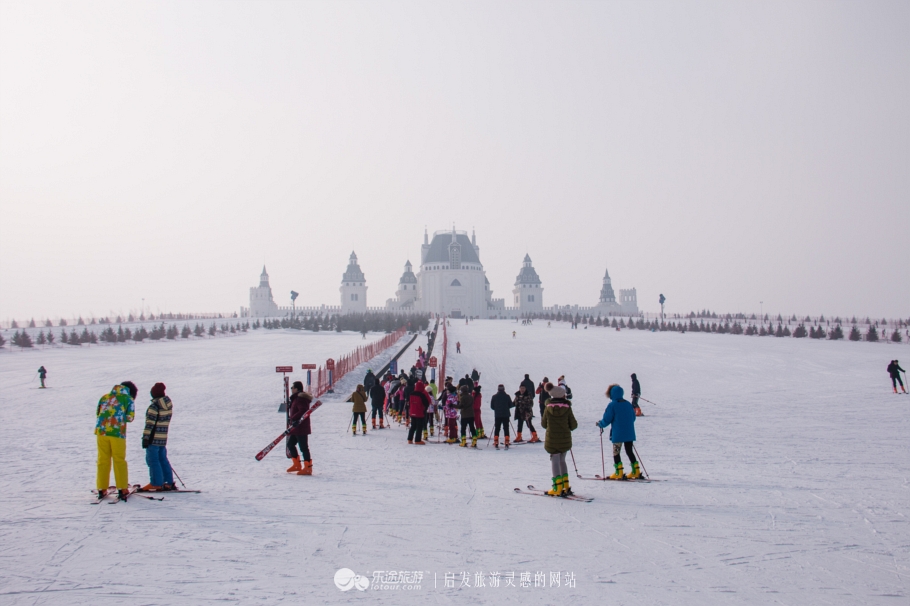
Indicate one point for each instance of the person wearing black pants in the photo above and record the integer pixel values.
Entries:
(502, 406)
(377, 401)
(415, 431)
(466, 407)
(299, 435)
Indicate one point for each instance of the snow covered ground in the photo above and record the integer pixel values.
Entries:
(785, 467)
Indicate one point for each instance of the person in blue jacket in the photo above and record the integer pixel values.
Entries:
(621, 416)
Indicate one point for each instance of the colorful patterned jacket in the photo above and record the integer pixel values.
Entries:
(114, 411)
(451, 405)
(158, 417)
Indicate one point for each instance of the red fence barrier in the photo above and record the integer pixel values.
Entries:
(347, 363)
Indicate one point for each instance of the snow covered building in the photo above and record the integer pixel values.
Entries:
(528, 291)
(353, 288)
(262, 305)
(627, 304)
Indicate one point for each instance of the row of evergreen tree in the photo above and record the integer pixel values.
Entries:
(120, 319)
(122, 335)
(362, 323)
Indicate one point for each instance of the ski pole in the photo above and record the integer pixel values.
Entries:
(177, 476)
(573, 463)
(647, 475)
(648, 401)
(603, 464)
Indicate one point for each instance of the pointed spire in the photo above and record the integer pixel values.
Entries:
(426, 238)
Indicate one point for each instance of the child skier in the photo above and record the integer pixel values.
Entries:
(154, 441)
(451, 413)
(418, 403)
(478, 405)
(559, 421)
(42, 374)
(359, 398)
(621, 416)
(114, 411)
(429, 421)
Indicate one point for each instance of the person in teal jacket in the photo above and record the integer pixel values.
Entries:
(621, 416)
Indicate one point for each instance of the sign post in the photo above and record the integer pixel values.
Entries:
(330, 367)
(309, 368)
(287, 390)
(393, 367)
(432, 364)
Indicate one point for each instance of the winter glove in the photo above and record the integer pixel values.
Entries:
(145, 442)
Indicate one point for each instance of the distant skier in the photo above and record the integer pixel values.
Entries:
(621, 416)
(299, 435)
(458, 347)
(377, 401)
(466, 382)
(466, 407)
(895, 370)
(154, 440)
(113, 412)
(369, 380)
(42, 374)
(475, 376)
(359, 398)
(513, 334)
(524, 412)
(502, 406)
(559, 421)
(636, 393)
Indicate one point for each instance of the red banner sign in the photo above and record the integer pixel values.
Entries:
(284, 369)
(330, 364)
(308, 366)
(432, 362)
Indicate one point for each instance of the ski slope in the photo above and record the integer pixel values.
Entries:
(784, 466)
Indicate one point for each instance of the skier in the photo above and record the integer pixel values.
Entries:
(894, 370)
(559, 421)
(524, 412)
(451, 414)
(475, 376)
(429, 419)
(299, 435)
(542, 395)
(377, 401)
(114, 411)
(466, 406)
(529, 384)
(502, 406)
(418, 403)
(359, 398)
(154, 440)
(42, 374)
(513, 334)
(562, 383)
(636, 393)
(458, 347)
(478, 405)
(369, 380)
(621, 416)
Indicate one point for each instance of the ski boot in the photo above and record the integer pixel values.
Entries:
(168, 487)
(354, 430)
(364, 430)
(534, 438)
(496, 442)
(518, 438)
(102, 492)
(618, 475)
(451, 441)
(482, 435)
(150, 488)
(474, 442)
(425, 434)
(638, 412)
(557, 487)
(307, 469)
(296, 466)
(432, 432)
(381, 424)
(566, 489)
(374, 423)
(636, 471)
(123, 494)
(507, 442)
(464, 441)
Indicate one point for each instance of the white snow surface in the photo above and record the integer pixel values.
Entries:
(783, 462)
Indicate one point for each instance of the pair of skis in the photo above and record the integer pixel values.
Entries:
(599, 478)
(287, 431)
(543, 493)
(112, 496)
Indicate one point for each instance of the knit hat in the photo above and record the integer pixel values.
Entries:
(557, 392)
(130, 387)
(158, 390)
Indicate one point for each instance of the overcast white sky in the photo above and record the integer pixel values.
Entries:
(722, 153)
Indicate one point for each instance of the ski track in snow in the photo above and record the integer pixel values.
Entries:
(784, 463)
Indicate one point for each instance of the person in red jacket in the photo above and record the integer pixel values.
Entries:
(299, 436)
(418, 403)
(478, 404)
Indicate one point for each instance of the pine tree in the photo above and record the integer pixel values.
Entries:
(855, 335)
(213, 330)
(127, 335)
(92, 337)
(25, 340)
(800, 332)
(2, 341)
(41, 338)
(50, 338)
(186, 332)
(199, 330)
(32, 323)
(896, 336)
(872, 334)
(62, 321)
(48, 323)
(14, 324)
(63, 338)
(85, 337)
(780, 331)
(74, 338)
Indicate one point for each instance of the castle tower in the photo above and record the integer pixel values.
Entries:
(607, 297)
(262, 305)
(528, 291)
(353, 288)
(407, 286)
